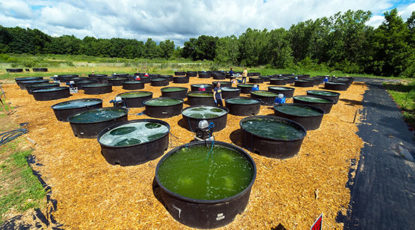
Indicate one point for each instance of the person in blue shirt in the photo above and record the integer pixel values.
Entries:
(280, 99)
(217, 95)
(255, 88)
(231, 72)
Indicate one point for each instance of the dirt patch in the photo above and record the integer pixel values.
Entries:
(93, 194)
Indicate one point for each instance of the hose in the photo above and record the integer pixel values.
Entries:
(11, 135)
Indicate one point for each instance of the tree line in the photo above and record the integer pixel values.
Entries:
(342, 42)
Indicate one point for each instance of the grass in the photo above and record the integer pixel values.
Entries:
(20, 190)
(84, 65)
(404, 95)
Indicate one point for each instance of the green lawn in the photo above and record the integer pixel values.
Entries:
(404, 95)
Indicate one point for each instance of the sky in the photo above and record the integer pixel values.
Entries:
(178, 20)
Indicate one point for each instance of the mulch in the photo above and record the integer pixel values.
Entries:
(93, 194)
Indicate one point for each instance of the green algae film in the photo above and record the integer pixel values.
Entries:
(312, 99)
(297, 110)
(173, 89)
(163, 102)
(272, 128)
(206, 112)
(98, 115)
(194, 173)
(264, 93)
(322, 93)
(245, 101)
(200, 94)
(135, 94)
(74, 104)
(133, 134)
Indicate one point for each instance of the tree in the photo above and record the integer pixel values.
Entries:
(227, 50)
(279, 53)
(151, 50)
(390, 45)
(166, 49)
(253, 45)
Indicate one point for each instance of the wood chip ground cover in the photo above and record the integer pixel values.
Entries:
(93, 194)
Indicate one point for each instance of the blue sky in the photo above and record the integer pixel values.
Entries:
(178, 20)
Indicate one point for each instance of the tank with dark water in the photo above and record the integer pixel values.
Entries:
(200, 98)
(47, 94)
(97, 88)
(272, 136)
(30, 88)
(193, 115)
(135, 99)
(334, 96)
(322, 103)
(265, 97)
(286, 91)
(245, 88)
(205, 184)
(133, 85)
(159, 82)
(134, 142)
(309, 117)
(89, 123)
(174, 92)
(335, 86)
(181, 80)
(163, 107)
(66, 109)
(230, 92)
(243, 106)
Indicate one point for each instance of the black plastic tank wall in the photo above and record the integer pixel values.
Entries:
(230, 92)
(286, 91)
(132, 85)
(195, 100)
(163, 111)
(310, 122)
(256, 80)
(243, 109)
(180, 93)
(204, 213)
(117, 81)
(63, 113)
(277, 81)
(97, 88)
(335, 86)
(51, 93)
(303, 83)
(192, 123)
(181, 79)
(159, 82)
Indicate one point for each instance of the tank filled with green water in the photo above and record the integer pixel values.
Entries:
(173, 89)
(264, 93)
(98, 115)
(135, 94)
(312, 99)
(163, 102)
(205, 173)
(298, 110)
(133, 134)
(74, 104)
(200, 94)
(204, 112)
(240, 100)
(272, 128)
(322, 92)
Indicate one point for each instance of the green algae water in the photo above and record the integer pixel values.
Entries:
(200, 94)
(163, 102)
(132, 82)
(173, 89)
(279, 88)
(230, 89)
(158, 79)
(98, 115)
(95, 85)
(133, 134)
(204, 112)
(241, 100)
(272, 128)
(74, 104)
(189, 172)
(264, 93)
(245, 85)
(135, 94)
(312, 99)
(322, 93)
(200, 85)
(48, 89)
(44, 85)
(298, 110)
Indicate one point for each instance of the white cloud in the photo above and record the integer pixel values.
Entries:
(175, 20)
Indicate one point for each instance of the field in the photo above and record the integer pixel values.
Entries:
(94, 194)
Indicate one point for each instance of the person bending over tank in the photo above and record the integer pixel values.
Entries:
(255, 88)
(280, 99)
(217, 95)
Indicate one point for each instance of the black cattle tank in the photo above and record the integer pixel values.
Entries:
(286, 91)
(89, 123)
(134, 142)
(272, 136)
(193, 115)
(322, 103)
(230, 92)
(308, 116)
(97, 88)
(243, 106)
(135, 99)
(174, 92)
(48, 94)
(66, 109)
(200, 98)
(163, 107)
